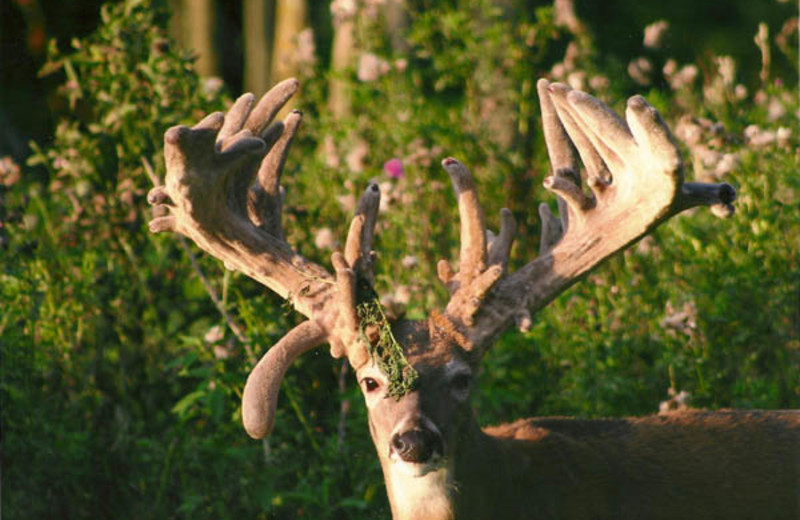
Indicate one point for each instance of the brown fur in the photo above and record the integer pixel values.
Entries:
(688, 464)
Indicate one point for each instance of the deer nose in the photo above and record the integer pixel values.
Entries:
(416, 445)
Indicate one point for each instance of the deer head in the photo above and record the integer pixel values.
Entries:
(222, 191)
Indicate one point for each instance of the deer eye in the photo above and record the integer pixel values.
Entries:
(370, 385)
(461, 382)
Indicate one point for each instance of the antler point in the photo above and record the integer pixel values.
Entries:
(577, 96)
(247, 96)
(175, 134)
(637, 102)
(727, 193)
(449, 161)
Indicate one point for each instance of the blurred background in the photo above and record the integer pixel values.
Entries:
(253, 44)
(124, 353)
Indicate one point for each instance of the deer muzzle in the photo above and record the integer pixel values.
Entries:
(419, 445)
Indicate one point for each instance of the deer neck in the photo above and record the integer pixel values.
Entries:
(459, 489)
(427, 497)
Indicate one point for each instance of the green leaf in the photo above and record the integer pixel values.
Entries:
(183, 406)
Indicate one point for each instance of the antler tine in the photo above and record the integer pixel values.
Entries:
(635, 175)
(270, 104)
(500, 246)
(562, 156)
(552, 230)
(266, 197)
(345, 334)
(234, 120)
(260, 396)
(474, 279)
(719, 197)
(559, 147)
(472, 258)
(358, 248)
(650, 131)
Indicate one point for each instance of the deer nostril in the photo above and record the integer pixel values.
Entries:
(416, 445)
(399, 443)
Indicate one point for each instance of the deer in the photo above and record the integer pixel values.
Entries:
(222, 190)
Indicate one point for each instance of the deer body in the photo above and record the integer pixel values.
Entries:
(223, 191)
(639, 468)
(684, 464)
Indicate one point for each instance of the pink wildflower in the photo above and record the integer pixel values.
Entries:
(393, 168)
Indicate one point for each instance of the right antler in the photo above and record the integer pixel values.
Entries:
(635, 175)
(208, 193)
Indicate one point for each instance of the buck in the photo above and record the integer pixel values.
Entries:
(222, 190)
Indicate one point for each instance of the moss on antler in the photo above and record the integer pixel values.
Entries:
(386, 352)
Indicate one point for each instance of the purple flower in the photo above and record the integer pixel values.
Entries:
(393, 168)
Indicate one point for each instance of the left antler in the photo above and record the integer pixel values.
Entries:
(212, 199)
(635, 177)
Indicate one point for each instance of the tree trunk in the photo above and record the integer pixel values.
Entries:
(199, 17)
(342, 57)
(258, 19)
(396, 15)
(291, 17)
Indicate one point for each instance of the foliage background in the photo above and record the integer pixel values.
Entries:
(121, 375)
